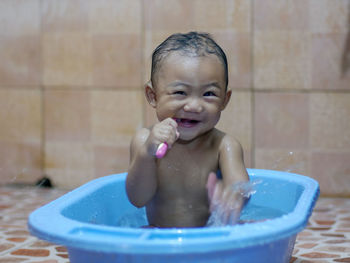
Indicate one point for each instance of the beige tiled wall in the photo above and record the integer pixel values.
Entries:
(72, 72)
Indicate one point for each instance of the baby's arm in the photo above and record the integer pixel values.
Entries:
(141, 182)
(225, 196)
(231, 162)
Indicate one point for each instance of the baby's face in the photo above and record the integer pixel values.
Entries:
(192, 90)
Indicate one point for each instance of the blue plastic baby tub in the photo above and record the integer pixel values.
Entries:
(86, 222)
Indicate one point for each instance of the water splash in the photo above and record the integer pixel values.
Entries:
(289, 162)
(228, 212)
(280, 160)
(133, 219)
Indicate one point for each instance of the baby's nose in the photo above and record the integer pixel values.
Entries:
(193, 105)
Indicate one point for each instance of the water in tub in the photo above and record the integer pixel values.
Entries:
(138, 218)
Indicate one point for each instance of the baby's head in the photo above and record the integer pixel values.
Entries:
(189, 44)
(189, 83)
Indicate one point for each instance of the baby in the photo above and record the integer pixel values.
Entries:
(188, 90)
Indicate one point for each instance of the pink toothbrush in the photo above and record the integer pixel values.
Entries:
(161, 150)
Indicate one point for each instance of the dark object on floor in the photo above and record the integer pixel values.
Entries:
(44, 182)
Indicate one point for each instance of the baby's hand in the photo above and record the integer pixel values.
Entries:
(164, 131)
(225, 204)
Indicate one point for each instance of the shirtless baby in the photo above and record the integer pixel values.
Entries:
(188, 90)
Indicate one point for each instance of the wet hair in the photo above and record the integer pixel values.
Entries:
(193, 44)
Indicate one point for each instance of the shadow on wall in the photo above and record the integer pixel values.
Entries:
(345, 63)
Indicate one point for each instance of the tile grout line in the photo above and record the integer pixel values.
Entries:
(27, 258)
(323, 244)
(19, 246)
(252, 79)
(143, 64)
(42, 94)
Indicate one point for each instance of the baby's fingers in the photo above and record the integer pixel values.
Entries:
(168, 131)
(171, 122)
(232, 206)
(174, 125)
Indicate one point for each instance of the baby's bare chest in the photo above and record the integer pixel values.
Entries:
(186, 174)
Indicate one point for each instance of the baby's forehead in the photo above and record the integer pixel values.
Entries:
(189, 63)
(174, 57)
(196, 70)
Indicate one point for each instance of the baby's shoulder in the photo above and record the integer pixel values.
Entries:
(227, 141)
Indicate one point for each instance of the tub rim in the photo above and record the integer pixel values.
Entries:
(80, 235)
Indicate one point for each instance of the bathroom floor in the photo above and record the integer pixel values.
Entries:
(326, 239)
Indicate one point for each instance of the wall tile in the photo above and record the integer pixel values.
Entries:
(20, 162)
(67, 59)
(237, 47)
(20, 60)
(236, 119)
(20, 135)
(150, 116)
(74, 155)
(20, 17)
(151, 40)
(116, 116)
(111, 159)
(281, 60)
(65, 16)
(20, 116)
(105, 47)
(117, 60)
(332, 170)
(222, 15)
(174, 16)
(327, 58)
(329, 16)
(69, 164)
(281, 15)
(115, 17)
(281, 121)
(67, 115)
(287, 160)
(330, 121)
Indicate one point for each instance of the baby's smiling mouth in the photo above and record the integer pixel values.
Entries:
(187, 123)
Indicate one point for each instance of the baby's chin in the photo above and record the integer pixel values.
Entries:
(188, 137)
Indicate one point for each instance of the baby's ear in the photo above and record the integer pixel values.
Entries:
(150, 94)
(227, 99)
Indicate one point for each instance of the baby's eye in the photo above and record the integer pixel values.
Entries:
(209, 93)
(179, 92)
